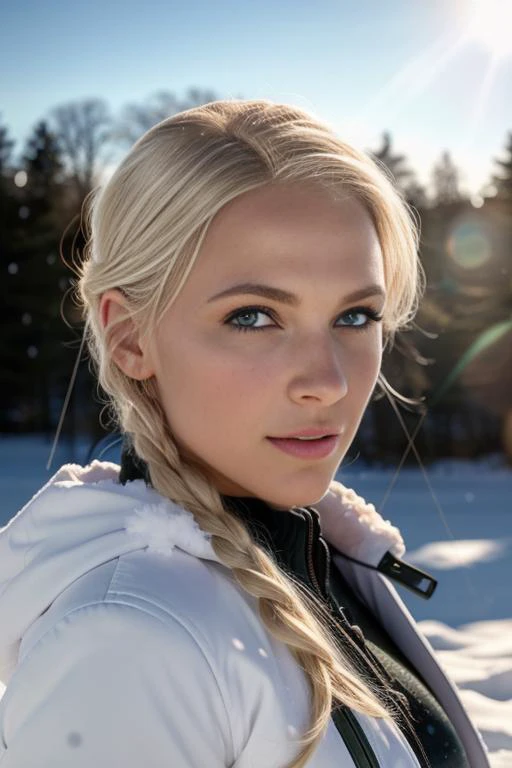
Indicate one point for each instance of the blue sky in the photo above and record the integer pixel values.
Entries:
(363, 66)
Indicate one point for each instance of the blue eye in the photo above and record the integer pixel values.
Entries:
(244, 315)
(357, 318)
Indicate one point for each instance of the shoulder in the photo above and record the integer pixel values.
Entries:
(174, 601)
(125, 609)
(154, 592)
(202, 595)
(155, 627)
(108, 664)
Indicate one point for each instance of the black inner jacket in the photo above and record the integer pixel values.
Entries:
(293, 539)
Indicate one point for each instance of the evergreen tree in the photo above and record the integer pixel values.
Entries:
(32, 348)
(403, 177)
(6, 146)
(445, 180)
(416, 195)
(503, 180)
(395, 164)
(6, 206)
(9, 269)
(43, 164)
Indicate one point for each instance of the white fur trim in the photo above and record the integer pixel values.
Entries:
(161, 527)
(354, 526)
(348, 522)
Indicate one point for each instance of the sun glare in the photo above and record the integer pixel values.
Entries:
(490, 23)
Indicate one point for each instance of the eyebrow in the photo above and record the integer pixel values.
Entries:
(285, 297)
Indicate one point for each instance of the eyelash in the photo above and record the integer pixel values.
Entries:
(373, 317)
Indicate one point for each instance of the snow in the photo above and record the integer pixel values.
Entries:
(446, 555)
(457, 523)
(478, 658)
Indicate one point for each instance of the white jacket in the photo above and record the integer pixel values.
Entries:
(125, 642)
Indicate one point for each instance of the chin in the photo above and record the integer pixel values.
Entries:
(297, 498)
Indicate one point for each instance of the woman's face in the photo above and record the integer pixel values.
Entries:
(233, 370)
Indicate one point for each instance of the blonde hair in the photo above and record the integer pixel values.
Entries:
(147, 226)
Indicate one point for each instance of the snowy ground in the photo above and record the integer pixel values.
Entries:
(457, 524)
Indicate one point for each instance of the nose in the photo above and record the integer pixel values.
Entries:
(319, 372)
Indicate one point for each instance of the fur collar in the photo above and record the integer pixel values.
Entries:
(348, 522)
(84, 517)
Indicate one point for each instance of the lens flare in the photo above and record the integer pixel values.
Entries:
(469, 244)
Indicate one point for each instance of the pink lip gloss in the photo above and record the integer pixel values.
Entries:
(306, 449)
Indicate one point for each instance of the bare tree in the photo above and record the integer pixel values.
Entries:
(136, 119)
(82, 129)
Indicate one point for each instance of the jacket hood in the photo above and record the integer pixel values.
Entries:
(84, 517)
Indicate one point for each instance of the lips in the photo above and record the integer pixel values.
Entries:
(327, 431)
(307, 449)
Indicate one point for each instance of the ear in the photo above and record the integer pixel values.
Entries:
(123, 336)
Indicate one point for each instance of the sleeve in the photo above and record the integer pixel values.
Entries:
(113, 685)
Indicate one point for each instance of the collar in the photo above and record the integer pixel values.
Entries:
(349, 524)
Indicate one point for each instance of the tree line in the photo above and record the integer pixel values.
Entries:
(452, 368)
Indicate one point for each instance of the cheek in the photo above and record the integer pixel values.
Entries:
(224, 385)
(201, 382)
(365, 369)
(373, 360)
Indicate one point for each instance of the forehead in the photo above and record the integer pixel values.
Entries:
(290, 232)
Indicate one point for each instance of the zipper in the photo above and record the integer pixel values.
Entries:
(309, 554)
(346, 723)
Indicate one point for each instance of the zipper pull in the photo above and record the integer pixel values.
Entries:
(418, 581)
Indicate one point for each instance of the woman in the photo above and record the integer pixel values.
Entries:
(216, 601)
